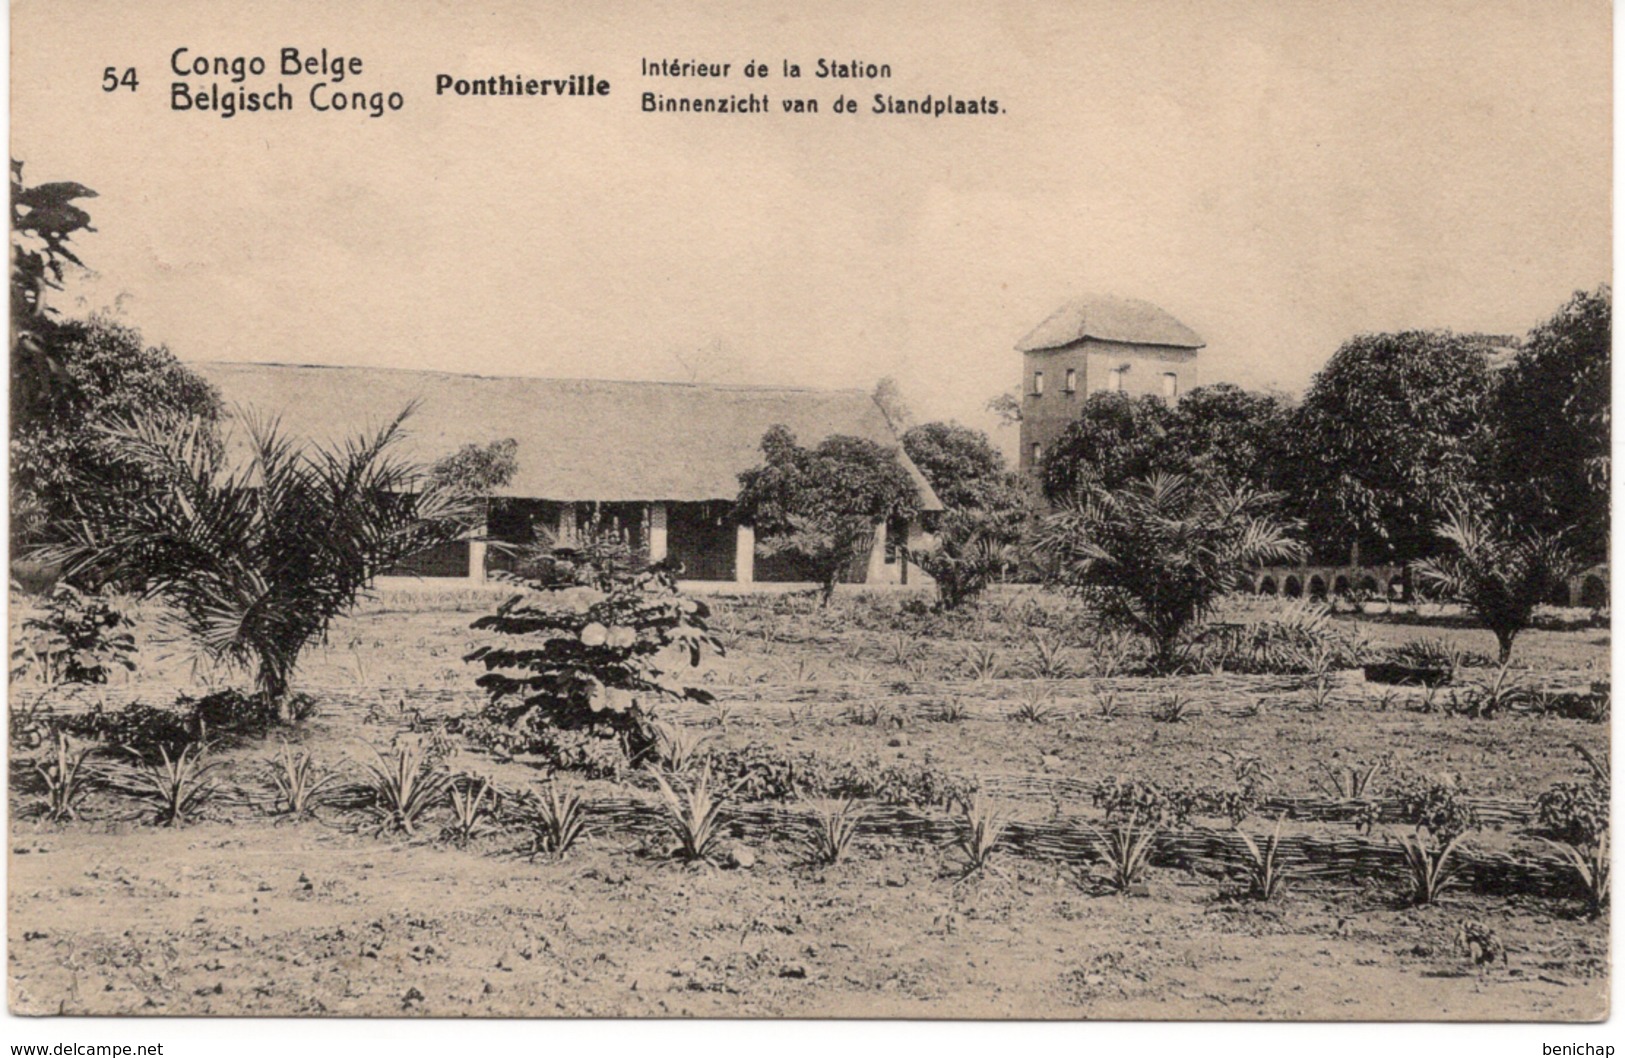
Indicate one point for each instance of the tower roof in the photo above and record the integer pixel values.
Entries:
(1109, 319)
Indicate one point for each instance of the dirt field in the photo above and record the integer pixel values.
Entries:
(241, 913)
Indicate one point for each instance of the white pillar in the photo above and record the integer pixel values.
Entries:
(476, 545)
(876, 573)
(657, 532)
(745, 555)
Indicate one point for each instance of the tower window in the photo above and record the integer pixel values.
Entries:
(1170, 385)
(1038, 383)
(1071, 380)
(1118, 376)
(1038, 452)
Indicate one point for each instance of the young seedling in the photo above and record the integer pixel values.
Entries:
(984, 826)
(1430, 867)
(1126, 849)
(1174, 708)
(1591, 864)
(473, 807)
(1036, 704)
(1266, 875)
(679, 747)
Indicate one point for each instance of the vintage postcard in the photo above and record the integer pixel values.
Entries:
(724, 510)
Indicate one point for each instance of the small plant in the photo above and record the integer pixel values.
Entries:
(67, 777)
(1051, 659)
(79, 638)
(403, 785)
(1430, 865)
(1501, 694)
(300, 783)
(1349, 782)
(952, 710)
(981, 661)
(176, 787)
(1320, 694)
(695, 815)
(1266, 875)
(473, 807)
(1107, 706)
(678, 747)
(984, 826)
(1592, 865)
(1125, 848)
(1036, 705)
(556, 818)
(1174, 708)
(867, 714)
(1113, 654)
(833, 829)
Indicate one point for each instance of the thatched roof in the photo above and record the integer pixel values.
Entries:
(579, 439)
(1109, 319)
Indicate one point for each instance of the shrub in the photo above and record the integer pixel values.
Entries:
(763, 772)
(143, 729)
(601, 659)
(1146, 802)
(1576, 813)
(973, 549)
(78, 638)
(1299, 639)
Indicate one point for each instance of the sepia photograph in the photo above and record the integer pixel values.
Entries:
(1014, 512)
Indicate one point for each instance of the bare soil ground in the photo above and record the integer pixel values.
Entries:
(242, 914)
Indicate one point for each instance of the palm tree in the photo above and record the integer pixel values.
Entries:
(256, 556)
(973, 547)
(1498, 573)
(1158, 553)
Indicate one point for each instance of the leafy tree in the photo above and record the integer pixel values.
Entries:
(1007, 406)
(1552, 425)
(822, 504)
(1225, 431)
(256, 556)
(1115, 439)
(963, 467)
(475, 471)
(44, 221)
(1157, 554)
(1391, 433)
(1499, 570)
(104, 374)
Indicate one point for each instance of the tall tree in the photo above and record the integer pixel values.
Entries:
(1227, 432)
(44, 221)
(1552, 426)
(1391, 435)
(1114, 440)
(822, 504)
(963, 467)
(104, 373)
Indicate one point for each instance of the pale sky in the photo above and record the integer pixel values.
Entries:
(1279, 176)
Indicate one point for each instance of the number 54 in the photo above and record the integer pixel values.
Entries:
(112, 80)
